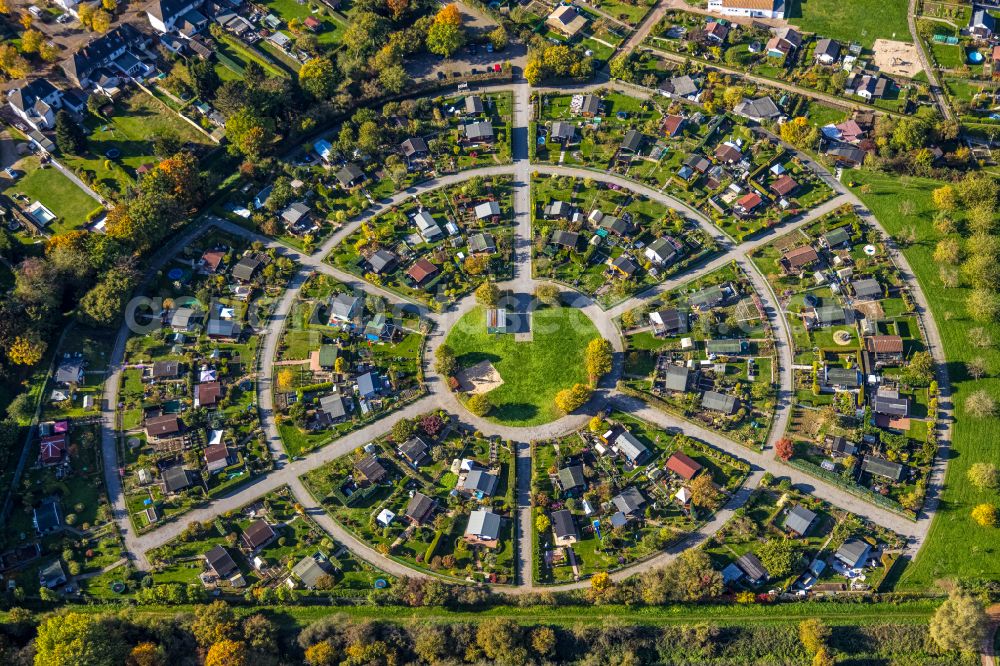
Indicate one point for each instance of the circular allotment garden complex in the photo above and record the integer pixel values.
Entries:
(320, 404)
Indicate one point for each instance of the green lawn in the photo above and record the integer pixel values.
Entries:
(329, 33)
(58, 193)
(533, 372)
(974, 440)
(136, 121)
(861, 20)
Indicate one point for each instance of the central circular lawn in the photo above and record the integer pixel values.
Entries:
(532, 371)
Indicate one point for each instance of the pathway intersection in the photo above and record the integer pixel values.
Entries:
(288, 473)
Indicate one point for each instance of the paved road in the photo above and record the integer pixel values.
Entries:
(440, 397)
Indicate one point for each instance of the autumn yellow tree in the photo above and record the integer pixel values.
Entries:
(146, 654)
(286, 379)
(598, 359)
(27, 349)
(321, 654)
(31, 41)
(227, 652)
(572, 399)
(985, 515)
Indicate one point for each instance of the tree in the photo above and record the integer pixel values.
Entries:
(76, 639)
(920, 370)
(948, 251)
(691, 577)
(479, 404)
(543, 641)
(984, 475)
(596, 424)
(500, 640)
(983, 304)
(498, 38)
(321, 654)
(227, 652)
(102, 305)
(547, 293)
(101, 21)
(542, 523)
(31, 41)
(318, 78)
(800, 133)
(985, 515)
(27, 349)
(147, 654)
(204, 78)
(69, 136)
(980, 404)
(488, 294)
(976, 367)
(13, 63)
(402, 430)
(945, 198)
(571, 399)
(777, 556)
(476, 264)
(286, 379)
(446, 34)
(813, 634)
(704, 493)
(823, 658)
(248, 133)
(109, 5)
(445, 363)
(214, 623)
(784, 449)
(598, 359)
(959, 623)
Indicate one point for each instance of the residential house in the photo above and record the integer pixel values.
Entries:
(784, 185)
(683, 465)
(623, 266)
(247, 268)
(827, 51)
(785, 41)
(887, 401)
(52, 575)
(36, 103)
(853, 553)
(847, 156)
(558, 210)
(257, 535)
(422, 271)
(414, 450)
(220, 562)
(207, 394)
(482, 243)
(629, 501)
(726, 347)
(675, 378)
(101, 52)
(426, 225)
(629, 446)
(478, 483)
(369, 385)
(52, 449)
(162, 427)
(766, 9)
(564, 528)
(311, 571)
(567, 20)
(672, 126)
(474, 105)
(165, 15)
(836, 237)
(632, 143)
(175, 479)
(885, 349)
(982, 24)
(566, 239)
(69, 372)
(798, 259)
(728, 153)
(719, 402)
(799, 519)
(884, 468)
(381, 262)
(370, 469)
(663, 250)
(47, 517)
(345, 308)
(185, 319)
(477, 133)
(414, 148)
(587, 105)
(867, 289)
(562, 132)
(747, 204)
(483, 528)
(840, 379)
(488, 210)
(224, 329)
(829, 315)
(297, 217)
(420, 508)
(216, 457)
(571, 479)
(350, 176)
(668, 321)
(868, 87)
(712, 297)
(762, 109)
(716, 32)
(839, 446)
(754, 569)
(680, 86)
(332, 408)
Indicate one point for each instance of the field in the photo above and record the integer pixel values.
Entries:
(137, 120)
(57, 192)
(533, 372)
(863, 20)
(974, 440)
